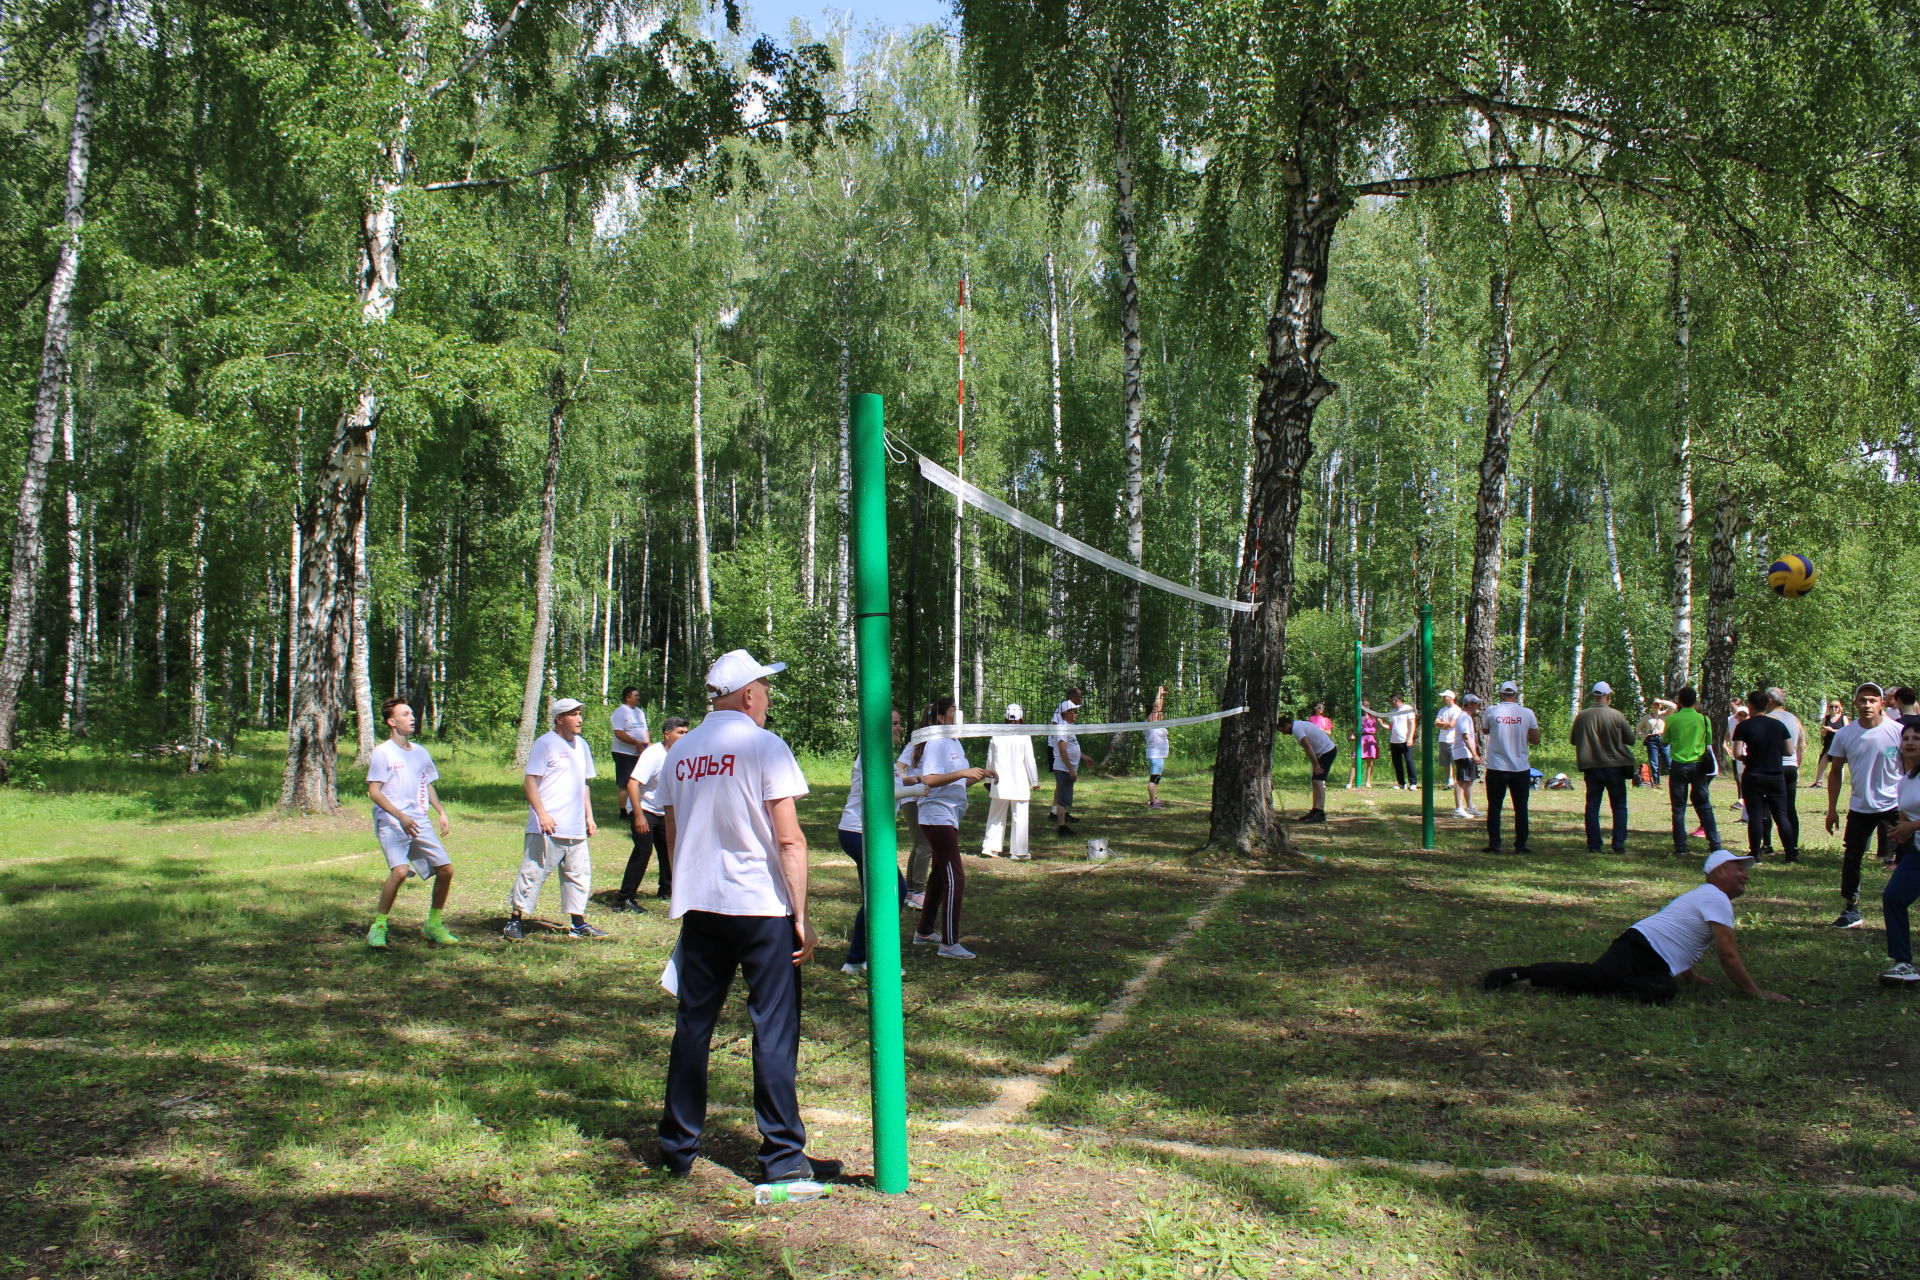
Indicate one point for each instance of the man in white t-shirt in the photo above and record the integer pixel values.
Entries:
(1511, 729)
(1466, 755)
(629, 725)
(649, 821)
(740, 894)
(1443, 729)
(1870, 748)
(400, 778)
(559, 824)
(1403, 730)
(1016, 773)
(1647, 960)
(1321, 750)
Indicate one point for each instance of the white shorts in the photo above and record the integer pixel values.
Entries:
(422, 849)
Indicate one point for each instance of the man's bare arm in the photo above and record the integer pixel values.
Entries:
(793, 869)
(1729, 952)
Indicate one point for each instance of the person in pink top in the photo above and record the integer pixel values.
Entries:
(1320, 719)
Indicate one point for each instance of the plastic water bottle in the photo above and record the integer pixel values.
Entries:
(779, 1193)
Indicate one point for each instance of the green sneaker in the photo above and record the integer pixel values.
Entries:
(377, 934)
(437, 932)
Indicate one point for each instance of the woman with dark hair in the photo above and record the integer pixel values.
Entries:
(1833, 722)
(1903, 886)
(941, 765)
(853, 841)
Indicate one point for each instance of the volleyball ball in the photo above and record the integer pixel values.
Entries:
(1791, 576)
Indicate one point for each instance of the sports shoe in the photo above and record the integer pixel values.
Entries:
(1474, 813)
(1901, 975)
(1848, 919)
(1462, 813)
(1064, 830)
(916, 900)
(513, 932)
(825, 1167)
(925, 939)
(992, 853)
(377, 934)
(1022, 857)
(791, 1191)
(436, 931)
(1313, 815)
(1500, 979)
(851, 967)
(630, 905)
(586, 930)
(954, 951)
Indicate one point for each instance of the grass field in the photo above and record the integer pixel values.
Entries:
(206, 1072)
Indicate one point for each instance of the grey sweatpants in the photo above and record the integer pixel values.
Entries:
(543, 854)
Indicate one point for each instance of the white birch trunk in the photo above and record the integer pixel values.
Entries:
(539, 671)
(197, 746)
(1680, 654)
(58, 334)
(606, 628)
(842, 588)
(1526, 589)
(810, 544)
(362, 644)
(1619, 589)
(1579, 658)
(702, 632)
(1057, 574)
(73, 716)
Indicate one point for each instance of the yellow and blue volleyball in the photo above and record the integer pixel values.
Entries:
(1791, 576)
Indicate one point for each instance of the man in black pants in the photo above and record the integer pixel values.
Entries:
(740, 894)
(1870, 749)
(1647, 961)
(1764, 787)
(1511, 730)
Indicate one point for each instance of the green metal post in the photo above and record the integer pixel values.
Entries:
(1426, 726)
(1357, 695)
(873, 643)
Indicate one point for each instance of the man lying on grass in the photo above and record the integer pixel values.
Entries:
(1648, 960)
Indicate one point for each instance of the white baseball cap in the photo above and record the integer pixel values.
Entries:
(1068, 705)
(1013, 711)
(1446, 693)
(1602, 687)
(1720, 858)
(1509, 687)
(1474, 698)
(563, 705)
(736, 670)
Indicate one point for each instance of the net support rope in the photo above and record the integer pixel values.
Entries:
(1382, 648)
(1004, 729)
(953, 484)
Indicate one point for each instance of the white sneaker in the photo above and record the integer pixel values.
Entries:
(1475, 813)
(925, 939)
(916, 900)
(953, 951)
(1462, 813)
(1022, 857)
(851, 967)
(1901, 975)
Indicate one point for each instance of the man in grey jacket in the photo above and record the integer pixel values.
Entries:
(1603, 748)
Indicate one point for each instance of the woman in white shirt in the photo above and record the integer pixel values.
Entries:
(1903, 886)
(853, 842)
(941, 764)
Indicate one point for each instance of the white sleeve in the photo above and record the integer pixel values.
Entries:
(780, 776)
(538, 765)
(379, 767)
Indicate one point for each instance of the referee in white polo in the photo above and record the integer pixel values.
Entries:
(740, 894)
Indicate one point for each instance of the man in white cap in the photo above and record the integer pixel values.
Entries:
(1648, 960)
(1603, 749)
(629, 727)
(1511, 729)
(1466, 756)
(559, 824)
(740, 894)
(1015, 774)
(1443, 731)
(1065, 750)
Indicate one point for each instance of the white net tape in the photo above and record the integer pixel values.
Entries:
(945, 479)
(1382, 648)
(1003, 729)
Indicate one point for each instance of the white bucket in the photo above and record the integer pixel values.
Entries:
(1097, 849)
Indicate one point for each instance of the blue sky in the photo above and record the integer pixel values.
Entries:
(772, 16)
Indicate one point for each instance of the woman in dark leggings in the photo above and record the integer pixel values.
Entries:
(941, 765)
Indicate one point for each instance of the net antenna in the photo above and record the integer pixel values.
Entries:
(1030, 645)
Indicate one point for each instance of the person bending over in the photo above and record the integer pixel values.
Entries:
(1320, 753)
(1649, 959)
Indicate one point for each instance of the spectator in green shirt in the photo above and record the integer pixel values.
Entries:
(1693, 771)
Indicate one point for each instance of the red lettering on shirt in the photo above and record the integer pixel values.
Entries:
(695, 768)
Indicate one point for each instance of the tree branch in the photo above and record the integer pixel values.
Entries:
(1546, 172)
(482, 50)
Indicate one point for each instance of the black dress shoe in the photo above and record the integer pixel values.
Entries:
(824, 1169)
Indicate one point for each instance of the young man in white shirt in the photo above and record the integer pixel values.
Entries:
(1466, 756)
(1016, 773)
(1321, 750)
(1403, 730)
(629, 725)
(400, 778)
(642, 792)
(1647, 961)
(740, 894)
(1511, 729)
(1870, 749)
(559, 824)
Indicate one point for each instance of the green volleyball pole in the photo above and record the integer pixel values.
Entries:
(873, 647)
(1426, 726)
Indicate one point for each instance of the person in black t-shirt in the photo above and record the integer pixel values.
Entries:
(1764, 784)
